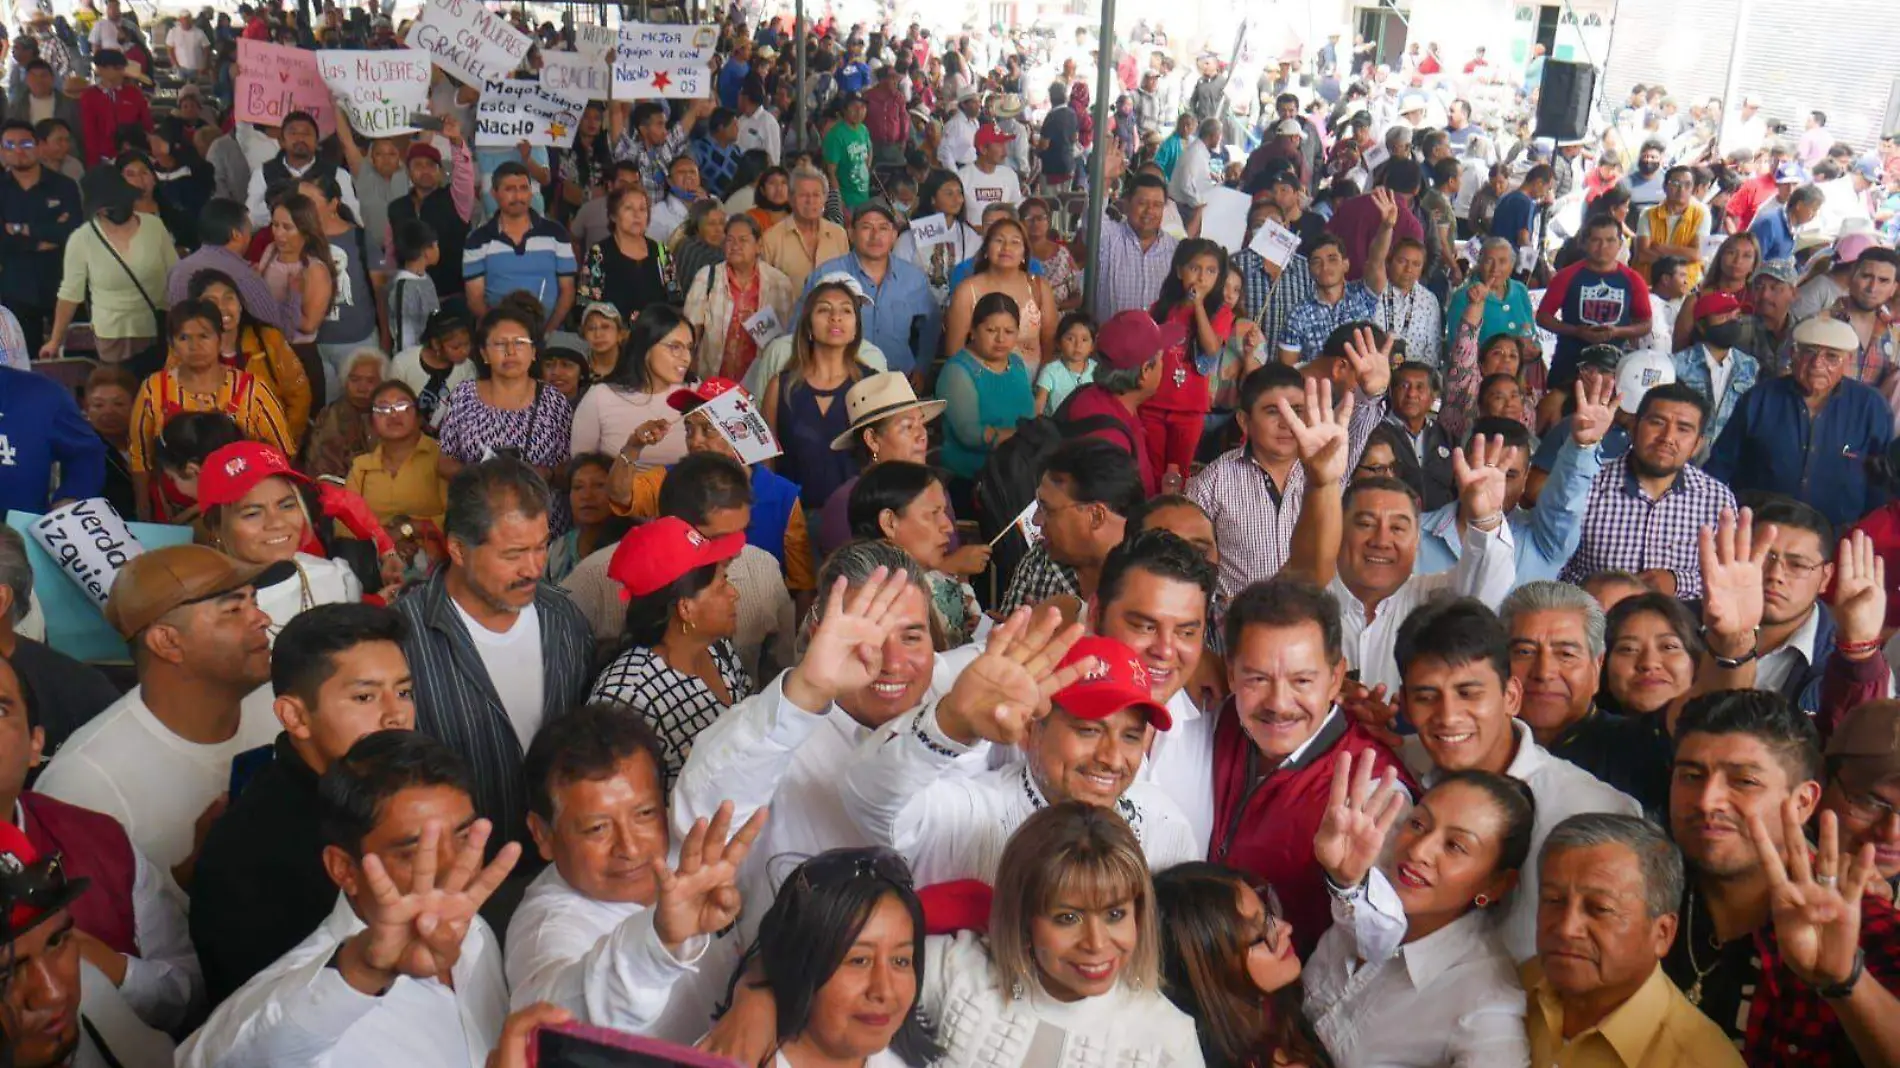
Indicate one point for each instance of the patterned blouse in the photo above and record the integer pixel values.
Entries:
(540, 434)
(1060, 270)
(676, 705)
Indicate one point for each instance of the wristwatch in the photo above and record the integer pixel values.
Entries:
(1845, 988)
(1728, 663)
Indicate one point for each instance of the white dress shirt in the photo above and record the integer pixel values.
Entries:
(1181, 763)
(760, 130)
(1774, 667)
(603, 962)
(301, 1011)
(164, 982)
(900, 793)
(766, 750)
(956, 148)
(1561, 790)
(1487, 570)
(982, 1024)
(1452, 998)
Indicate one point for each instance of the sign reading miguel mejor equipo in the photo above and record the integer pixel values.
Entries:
(465, 39)
(377, 90)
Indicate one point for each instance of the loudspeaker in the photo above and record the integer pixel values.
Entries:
(1563, 104)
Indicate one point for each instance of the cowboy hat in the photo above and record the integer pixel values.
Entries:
(878, 397)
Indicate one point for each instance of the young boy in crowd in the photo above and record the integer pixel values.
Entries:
(412, 296)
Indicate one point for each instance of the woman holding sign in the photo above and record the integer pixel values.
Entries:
(727, 302)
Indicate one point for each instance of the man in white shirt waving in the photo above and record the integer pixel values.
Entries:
(623, 929)
(404, 971)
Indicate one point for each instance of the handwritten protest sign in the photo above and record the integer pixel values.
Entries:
(1275, 243)
(576, 75)
(653, 60)
(930, 230)
(89, 541)
(764, 326)
(464, 38)
(515, 111)
(377, 91)
(274, 81)
(738, 421)
(595, 42)
(74, 625)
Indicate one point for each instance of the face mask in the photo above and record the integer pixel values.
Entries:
(1724, 335)
(118, 214)
(1646, 167)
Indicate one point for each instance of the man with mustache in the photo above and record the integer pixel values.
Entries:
(1597, 993)
(1780, 945)
(495, 650)
(1644, 510)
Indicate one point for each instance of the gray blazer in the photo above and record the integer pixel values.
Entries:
(65, 108)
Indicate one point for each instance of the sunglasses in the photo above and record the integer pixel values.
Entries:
(849, 865)
(392, 408)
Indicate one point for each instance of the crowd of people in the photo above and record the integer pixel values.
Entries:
(1450, 630)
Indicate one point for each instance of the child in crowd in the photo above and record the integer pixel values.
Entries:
(412, 296)
(1073, 367)
(1194, 299)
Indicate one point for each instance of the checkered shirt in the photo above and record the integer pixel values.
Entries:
(1129, 276)
(1789, 1026)
(653, 160)
(1294, 288)
(1624, 528)
(1038, 578)
(1876, 359)
(1311, 323)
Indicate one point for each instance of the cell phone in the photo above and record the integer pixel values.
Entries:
(422, 120)
(573, 1045)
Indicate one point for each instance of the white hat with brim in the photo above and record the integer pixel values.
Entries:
(848, 281)
(1827, 332)
(878, 397)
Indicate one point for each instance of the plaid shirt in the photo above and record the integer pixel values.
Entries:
(1294, 288)
(1131, 277)
(1255, 283)
(1876, 359)
(653, 160)
(1623, 528)
(1038, 578)
(717, 164)
(1311, 323)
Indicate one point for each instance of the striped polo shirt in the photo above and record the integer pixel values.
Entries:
(537, 265)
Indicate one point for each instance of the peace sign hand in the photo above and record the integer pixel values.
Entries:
(1479, 473)
(701, 896)
(1321, 434)
(1352, 834)
(1595, 414)
(1732, 563)
(1814, 903)
(1008, 688)
(846, 650)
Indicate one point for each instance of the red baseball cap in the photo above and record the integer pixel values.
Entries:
(687, 398)
(1120, 681)
(1716, 303)
(233, 471)
(991, 134)
(654, 555)
(32, 886)
(1132, 338)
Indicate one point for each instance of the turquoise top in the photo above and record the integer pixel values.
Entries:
(978, 399)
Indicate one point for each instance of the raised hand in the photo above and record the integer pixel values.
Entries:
(701, 896)
(1376, 712)
(1595, 414)
(1731, 575)
(1814, 903)
(1388, 207)
(1859, 600)
(1480, 478)
(1476, 295)
(452, 129)
(1008, 688)
(1371, 362)
(417, 930)
(1352, 833)
(1321, 434)
(846, 650)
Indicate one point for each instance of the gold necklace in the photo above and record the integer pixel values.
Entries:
(1694, 993)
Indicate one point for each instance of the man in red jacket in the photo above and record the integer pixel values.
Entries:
(1277, 741)
(110, 104)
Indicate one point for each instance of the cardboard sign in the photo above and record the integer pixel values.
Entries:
(377, 91)
(594, 42)
(73, 623)
(1224, 218)
(738, 421)
(89, 541)
(764, 326)
(1275, 243)
(930, 230)
(511, 112)
(576, 75)
(464, 38)
(652, 60)
(274, 81)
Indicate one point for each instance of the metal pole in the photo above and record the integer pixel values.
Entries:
(1098, 160)
(798, 73)
(1732, 81)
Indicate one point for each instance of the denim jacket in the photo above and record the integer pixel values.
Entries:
(1544, 537)
(1692, 370)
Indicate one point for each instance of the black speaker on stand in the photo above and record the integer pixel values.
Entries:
(1563, 102)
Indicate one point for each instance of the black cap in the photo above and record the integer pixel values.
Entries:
(1601, 357)
(874, 207)
(108, 57)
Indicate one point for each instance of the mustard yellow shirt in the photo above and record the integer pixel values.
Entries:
(800, 574)
(1656, 1028)
(416, 490)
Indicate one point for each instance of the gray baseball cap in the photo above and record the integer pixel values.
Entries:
(1780, 270)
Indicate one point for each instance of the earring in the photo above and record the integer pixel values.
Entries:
(1016, 990)
(686, 625)
(1482, 901)
(874, 456)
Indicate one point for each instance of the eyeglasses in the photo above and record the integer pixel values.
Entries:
(1831, 357)
(1274, 917)
(39, 886)
(675, 347)
(1866, 806)
(1795, 565)
(1377, 470)
(19, 146)
(510, 344)
(392, 408)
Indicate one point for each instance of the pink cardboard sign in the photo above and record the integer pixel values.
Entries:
(274, 81)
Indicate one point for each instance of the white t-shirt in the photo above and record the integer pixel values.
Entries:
(105, 34)
(188, 47)
(513, 662)
(130, 766)
(980, 190)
